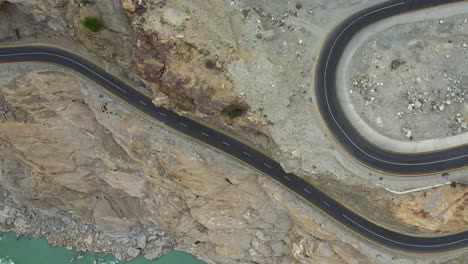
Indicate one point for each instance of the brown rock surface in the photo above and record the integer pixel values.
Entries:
(439, 210)
(173, 67)
(84, 153)
(130, 5)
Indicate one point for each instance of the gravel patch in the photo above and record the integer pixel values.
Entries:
(410, 83)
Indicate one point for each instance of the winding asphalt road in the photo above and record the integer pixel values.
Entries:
(340, 127)
(328, 105)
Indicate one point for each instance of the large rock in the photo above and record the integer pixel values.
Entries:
(192, 85)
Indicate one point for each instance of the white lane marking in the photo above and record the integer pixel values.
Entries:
(46, 53)
(267, 165)
(227, 144)
(325, 82)
(428, 246)
(247, 154)
(325, 203)
(205, 134)
(287, 178)
(163, 114)
(121, 89)
(307, 191)
(182, 124)
(336, 122)
(142, 102)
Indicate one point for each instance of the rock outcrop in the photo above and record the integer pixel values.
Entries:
(439, 210)
(73, 148)
(174, 69)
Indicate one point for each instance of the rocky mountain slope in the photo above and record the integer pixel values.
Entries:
(59, 154)
(109, 180)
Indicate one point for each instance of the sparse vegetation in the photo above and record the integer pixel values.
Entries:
(94, 24)
(236, 112)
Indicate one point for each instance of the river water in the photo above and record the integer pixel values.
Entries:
(37, 251)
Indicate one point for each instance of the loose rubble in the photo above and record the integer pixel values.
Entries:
(63, 229)
(408, 78)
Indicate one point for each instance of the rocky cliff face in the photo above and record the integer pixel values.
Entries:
(173, 68)
(66, 145)
(110, 180)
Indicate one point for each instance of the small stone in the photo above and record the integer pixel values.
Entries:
(441, 21)
(141, 242)
(407, 132)
(133, 252)
(441, 107)
(119, 256)
(161, 100)
(129, 5)
(260, 235)
(458, 118)
(89, 240)
(396, 63)
(417, 105)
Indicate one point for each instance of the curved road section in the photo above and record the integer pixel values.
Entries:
(348, 219)
(335, 119)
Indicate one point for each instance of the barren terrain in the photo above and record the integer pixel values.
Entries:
(412, 75)
(71, 153)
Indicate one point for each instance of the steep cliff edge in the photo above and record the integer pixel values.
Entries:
(67, 146)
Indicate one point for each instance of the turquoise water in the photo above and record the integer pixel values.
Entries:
(37, 251)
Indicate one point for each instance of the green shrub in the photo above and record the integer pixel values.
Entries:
(92, 23)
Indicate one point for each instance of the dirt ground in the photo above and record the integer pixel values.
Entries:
(409, 83)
